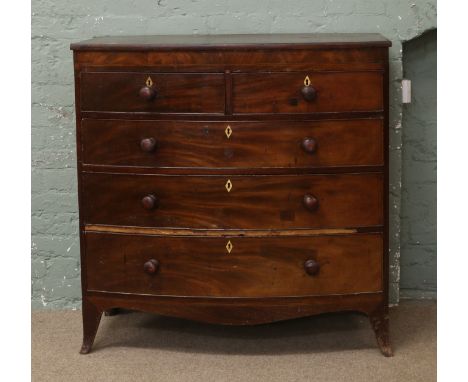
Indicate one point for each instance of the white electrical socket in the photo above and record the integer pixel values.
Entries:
(406, 91)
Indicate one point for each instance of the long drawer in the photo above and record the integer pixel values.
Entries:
(325, 92)
(246, 144)
(254, 267)
(242, 202)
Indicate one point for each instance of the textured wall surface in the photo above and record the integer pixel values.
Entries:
(55, 24)
(419, 170)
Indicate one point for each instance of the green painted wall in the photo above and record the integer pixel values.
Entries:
(419, 170)
(55, 24)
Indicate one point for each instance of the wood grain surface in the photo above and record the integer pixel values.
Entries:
(255, 267)
(176, 93)
(254, 202)
(262, 144)
(237, 41)
(281, 92)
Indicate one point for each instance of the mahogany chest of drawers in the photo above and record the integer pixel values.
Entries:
(237, 179)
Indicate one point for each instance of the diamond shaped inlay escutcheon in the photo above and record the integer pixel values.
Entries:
(149, 82)
(228, 185)
(229, 246)
(228, 131)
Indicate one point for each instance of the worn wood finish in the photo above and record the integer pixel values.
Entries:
(92, 314)
(380, 324)
(306, 213)
(239, 311)
(254, 267)
(234, 117)
(276, 202)
(236, 61)
(232, 170)
(282, 92)
(223, 232)
(186, 144)
(237, 41)
(174, 93)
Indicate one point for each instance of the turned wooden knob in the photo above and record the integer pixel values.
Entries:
(151, 266)
(148, 144)
(149, 202)
(310, 202)
(309, 145)
(311, 267)
(309, 93)
(147, 93)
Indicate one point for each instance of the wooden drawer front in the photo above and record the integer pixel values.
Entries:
(241, 145)
(253, 202)
(282, 92)
(175, 93)
(255, 267)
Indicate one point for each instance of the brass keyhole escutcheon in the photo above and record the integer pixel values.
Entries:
(228, 131)
(307, 81)
(149, 82)
(228, 185)
(229, 246)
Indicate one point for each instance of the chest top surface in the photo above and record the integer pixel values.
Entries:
(234, 41)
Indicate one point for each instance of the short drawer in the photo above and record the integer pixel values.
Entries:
(152, 92)
(308, 93)
(238, 202)
(254, 267)
(246, 144)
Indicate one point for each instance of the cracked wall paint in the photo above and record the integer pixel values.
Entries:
(419, 171)
(56, 24)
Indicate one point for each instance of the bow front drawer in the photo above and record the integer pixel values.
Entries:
(265, 144)
(152, 92)
(238, 202)
(316, 92)
(253, 267)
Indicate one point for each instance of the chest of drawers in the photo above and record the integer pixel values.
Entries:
(237, 179)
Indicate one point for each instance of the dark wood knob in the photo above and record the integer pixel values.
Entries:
(149, 202)
(309, 93)
(151, 266)
(147, 93)
(311, 267)
(309, 145)
(311, 202)
(148, 144)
